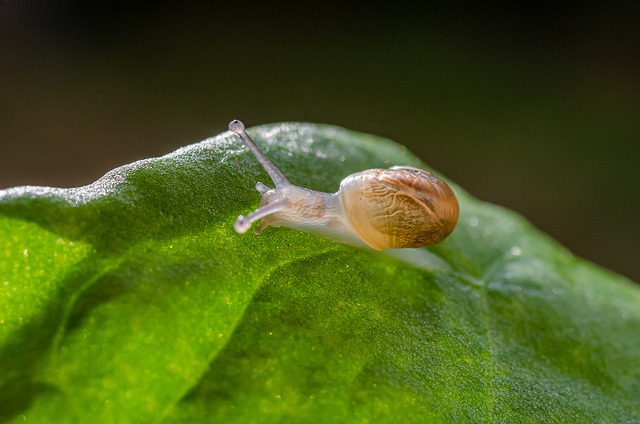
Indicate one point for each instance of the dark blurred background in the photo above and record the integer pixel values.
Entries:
(535, 108)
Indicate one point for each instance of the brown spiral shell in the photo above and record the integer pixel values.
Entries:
(398, 207)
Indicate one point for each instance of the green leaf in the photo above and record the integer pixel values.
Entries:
(133, 300)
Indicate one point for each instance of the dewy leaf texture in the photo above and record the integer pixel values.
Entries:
(133, 300)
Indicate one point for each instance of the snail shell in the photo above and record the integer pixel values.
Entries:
(398, 207)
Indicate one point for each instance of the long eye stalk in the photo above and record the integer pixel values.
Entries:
(278, 177)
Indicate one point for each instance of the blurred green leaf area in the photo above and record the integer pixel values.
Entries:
(133, 300)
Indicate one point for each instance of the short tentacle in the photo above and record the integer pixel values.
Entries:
(262, 188)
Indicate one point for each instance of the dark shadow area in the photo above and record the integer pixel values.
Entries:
(20, 382)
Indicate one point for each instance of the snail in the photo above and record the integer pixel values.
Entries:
(399, 207)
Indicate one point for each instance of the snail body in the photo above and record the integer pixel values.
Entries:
(399, 207)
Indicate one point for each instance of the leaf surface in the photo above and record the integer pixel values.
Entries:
(133, 300)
